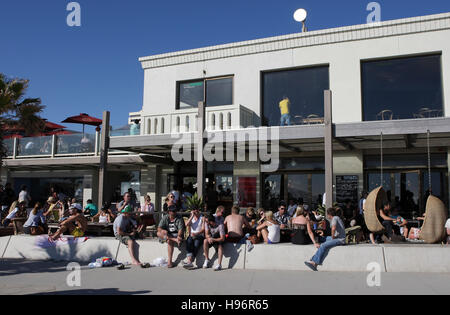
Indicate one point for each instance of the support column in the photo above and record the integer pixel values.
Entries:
(104, 146)
(150, 184)
(201, 165)
(328, 148)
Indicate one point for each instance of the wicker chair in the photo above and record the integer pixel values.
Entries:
(374, 201)
(433, 229)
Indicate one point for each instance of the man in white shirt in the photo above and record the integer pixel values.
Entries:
(24, 196)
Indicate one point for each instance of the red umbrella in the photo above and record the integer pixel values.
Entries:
(49, 126)
(12, 136)
(84, 119)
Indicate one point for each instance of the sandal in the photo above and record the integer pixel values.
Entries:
(145, 265)
(121, 267)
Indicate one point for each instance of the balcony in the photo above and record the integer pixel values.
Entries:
(230, 117)
(53, 146)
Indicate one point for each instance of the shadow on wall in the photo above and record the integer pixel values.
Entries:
(72, 251)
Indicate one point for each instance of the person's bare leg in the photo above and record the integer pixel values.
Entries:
(405, 232)
(170, 246)
(58, 233)
(131, 247)
(220, 254)
(372, 238)
(265, 235)
(206, 249)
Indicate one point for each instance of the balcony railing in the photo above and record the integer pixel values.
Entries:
(53, 146)
(227, 117)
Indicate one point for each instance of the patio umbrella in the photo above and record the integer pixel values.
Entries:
(83, 119)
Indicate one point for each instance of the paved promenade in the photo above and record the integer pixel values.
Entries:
(30, 277)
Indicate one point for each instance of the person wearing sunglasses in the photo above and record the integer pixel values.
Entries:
(170, 201)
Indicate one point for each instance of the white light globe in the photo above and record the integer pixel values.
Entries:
(300, 15)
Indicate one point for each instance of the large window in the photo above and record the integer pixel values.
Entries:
(402, 88)
(294, 97)
(215, 92)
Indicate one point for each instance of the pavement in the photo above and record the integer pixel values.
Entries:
(23, 277)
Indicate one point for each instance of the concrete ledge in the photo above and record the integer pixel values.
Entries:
(430, 258)
(233, 257)
(292, 257)
(3, 244)
(355, 258)
(22, 246)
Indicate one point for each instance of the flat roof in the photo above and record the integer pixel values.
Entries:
(398, 27)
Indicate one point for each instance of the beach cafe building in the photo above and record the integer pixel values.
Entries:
(388, 119)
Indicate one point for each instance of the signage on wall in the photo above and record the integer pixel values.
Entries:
(347, 188)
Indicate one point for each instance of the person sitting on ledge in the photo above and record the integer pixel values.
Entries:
(171, 230)
(196, 228)
(105, 215)
(337, 238)
(215, 236)
(125, 229)
(234, 224)
(91, 209)
(17, 210)
(36, 223)
(269, 229)
(75, 224)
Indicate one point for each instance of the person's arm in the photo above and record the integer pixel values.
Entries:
(246, 224)
(385, 217)
(333, 230)
(261, 226)
(95, 217)
(311, 232)
(124, 204)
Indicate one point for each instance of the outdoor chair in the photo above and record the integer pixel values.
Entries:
(385, 115)
(18, 225)
(433, 229)
(351, 234)
(374, 201)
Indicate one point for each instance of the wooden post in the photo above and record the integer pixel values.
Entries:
(201, 165)
(328, 148)
(104, 146)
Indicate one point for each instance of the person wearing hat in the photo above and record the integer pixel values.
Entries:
(125, 229)
(75, 224)
(171, 230)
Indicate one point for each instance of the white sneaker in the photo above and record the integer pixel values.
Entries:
(218, 268)
(205, 265)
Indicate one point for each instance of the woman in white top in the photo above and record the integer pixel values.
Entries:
(196, 228)
(269, 229)
(104, 216)
(17, 210)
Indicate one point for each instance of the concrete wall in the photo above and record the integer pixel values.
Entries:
(343, 58)
(390, 258)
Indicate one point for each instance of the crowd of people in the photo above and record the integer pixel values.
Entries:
(293, 222)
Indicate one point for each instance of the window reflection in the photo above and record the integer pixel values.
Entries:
(217, 92)
(294, 97)
(402, 88)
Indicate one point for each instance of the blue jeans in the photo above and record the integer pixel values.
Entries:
(193, 245)
(322, 252)
(285, 120)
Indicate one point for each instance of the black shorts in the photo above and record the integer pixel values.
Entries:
(215, 244)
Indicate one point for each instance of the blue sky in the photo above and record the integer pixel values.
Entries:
(95, 67)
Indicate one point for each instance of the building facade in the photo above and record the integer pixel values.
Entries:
(390, 115)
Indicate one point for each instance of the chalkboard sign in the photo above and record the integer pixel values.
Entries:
(347, 188)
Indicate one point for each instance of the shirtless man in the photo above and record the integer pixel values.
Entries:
(76, 224)
(234, 224)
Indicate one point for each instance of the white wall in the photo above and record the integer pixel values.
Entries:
(343, 58)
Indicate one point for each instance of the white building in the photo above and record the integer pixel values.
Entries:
(389, 78)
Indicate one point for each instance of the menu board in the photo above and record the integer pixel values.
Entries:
(347, 188)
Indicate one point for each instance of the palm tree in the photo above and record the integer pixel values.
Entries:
(17, 111)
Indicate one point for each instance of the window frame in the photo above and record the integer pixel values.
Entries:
(261, 83)
(204, 80)
(400, 57)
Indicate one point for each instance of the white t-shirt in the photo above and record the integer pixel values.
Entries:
(447, 224)
(23, 196)
(274, 232)
(12, 215)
